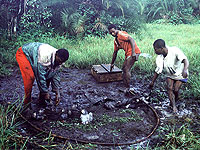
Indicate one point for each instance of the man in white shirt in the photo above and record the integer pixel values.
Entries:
(176, 64)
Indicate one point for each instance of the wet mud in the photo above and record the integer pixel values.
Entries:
(110, 105)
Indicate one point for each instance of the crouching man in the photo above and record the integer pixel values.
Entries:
(41, 62)
(176, 64)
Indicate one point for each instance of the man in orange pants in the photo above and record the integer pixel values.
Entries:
(41, 62)
(124, 41)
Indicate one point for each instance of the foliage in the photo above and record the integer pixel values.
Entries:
(24, 16)
(173, 11)
(9, 136)
(179, 138)
(74, 22)
(83, 21)
(7, 56)
(35, 17)
(115, 7)
(93, 17)
(8, 9)
(3, 17)
(10, 12)
(12, 134)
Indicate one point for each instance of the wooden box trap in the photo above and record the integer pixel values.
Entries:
(102, 73)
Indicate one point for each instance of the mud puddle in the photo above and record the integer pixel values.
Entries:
(79, 90)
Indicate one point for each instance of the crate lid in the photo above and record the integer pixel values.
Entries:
(105, 68)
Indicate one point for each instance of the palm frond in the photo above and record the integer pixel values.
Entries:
(99, 26)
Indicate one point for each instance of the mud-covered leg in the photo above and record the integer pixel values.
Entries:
(177, 87)
(171, 95)
(128, 63)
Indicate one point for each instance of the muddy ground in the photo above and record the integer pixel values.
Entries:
(118, 117)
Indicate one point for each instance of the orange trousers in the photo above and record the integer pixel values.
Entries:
(27, 74)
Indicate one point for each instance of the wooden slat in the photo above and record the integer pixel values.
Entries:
(99, 69)
(107, 68)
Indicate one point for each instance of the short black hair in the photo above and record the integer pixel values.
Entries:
(159, 43)
(63, 54)
(112, 26)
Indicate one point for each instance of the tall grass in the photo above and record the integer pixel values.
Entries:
(95, 50)
(10, 138)
(178, 138)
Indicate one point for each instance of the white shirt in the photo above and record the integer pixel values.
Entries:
(46, 54)
(172, 63)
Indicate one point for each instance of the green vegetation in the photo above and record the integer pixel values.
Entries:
(79, 18)
(13, 136)
(99, 121)
(178, 138)
(9, 136)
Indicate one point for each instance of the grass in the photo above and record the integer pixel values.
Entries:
(178, 138)
(99, 121)
(9, 135)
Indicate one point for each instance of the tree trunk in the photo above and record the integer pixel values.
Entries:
(13, 21)
(10, 24)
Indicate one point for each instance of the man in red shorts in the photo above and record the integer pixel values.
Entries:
(41, 62)
(124, 41)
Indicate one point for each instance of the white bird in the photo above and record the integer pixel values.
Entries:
(86, 117)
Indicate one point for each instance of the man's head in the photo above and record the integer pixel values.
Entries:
(159, 46)
(112, 29)
(61, 56)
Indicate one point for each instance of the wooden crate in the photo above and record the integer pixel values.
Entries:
(102, 73)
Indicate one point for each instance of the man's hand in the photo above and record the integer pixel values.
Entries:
(57, 97)
(44, 96)
(184, 74)
(151, 85)
(111, 67)
(135, 56)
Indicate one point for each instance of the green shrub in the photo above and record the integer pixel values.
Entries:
(9, 136)
(179, 138)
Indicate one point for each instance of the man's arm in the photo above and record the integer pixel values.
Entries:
(132, 42)
(113, 60)
(40, 74)
(55, 86)
(186, 65)
(153, 80)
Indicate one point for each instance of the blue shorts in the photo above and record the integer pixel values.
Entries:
(183, 80)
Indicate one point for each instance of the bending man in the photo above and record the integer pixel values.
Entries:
(176, 64)
(41, 62)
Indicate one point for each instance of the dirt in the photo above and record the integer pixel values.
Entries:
(118, 117)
